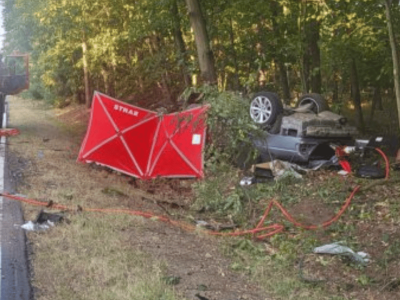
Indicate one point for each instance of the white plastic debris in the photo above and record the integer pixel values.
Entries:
(31, 226)
(201, 223)
(247, 181)
(337, 248)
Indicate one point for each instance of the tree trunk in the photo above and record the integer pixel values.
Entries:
(180, 44)
(204, 52)
(335, 92)
(355, 88)
(376, 99)
(396, 67)
(305, 70)
(284, 82)
(139, 54)
(154, 43)
(315, 56)
(278, 56)
(236, 82)
(106, 79)
(305, 64)
(88, 100)
(335, 86)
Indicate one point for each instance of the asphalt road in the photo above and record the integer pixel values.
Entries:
(15, 274)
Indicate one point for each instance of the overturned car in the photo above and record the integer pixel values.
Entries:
(301, 135)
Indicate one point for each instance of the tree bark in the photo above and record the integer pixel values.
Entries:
(106, 78)
(180, 44)
(376, 100)
(154, 42)
(335, 92)
(305, 70)
(284, 82)
(204, 52)
(278, 56)
(396, 67)
(311, 56)
(355, 88)
(305, 64)
(315, 55)
(234, 56)
(88, 100)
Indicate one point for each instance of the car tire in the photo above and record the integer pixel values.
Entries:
(319, 102)
(276, 127)
(265, 107)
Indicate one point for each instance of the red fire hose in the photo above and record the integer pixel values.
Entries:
(9, 132)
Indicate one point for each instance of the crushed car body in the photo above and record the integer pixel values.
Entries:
(299, 135)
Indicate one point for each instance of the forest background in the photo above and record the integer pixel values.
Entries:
(149, 51)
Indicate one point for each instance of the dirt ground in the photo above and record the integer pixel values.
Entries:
(45, 165)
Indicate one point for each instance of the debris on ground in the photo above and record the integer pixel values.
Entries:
(31, 226)
(314, 165)
(201, 297)
(172, 280)
(365, 168)
(212, 225)
(55, 218)
(113, 192)
(282, 169)
(370, 172)
(343, 173)
(338, 249)
(262, 170)
(276, 169)
(44, 221)
(248, 181)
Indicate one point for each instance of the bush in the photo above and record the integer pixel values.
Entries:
(229, 126)
(229, 130)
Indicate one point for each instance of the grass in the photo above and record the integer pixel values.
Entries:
(277, 266)
(91, 258)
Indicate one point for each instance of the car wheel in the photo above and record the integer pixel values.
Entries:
(318, 102)
(265, 108)
(276, 127)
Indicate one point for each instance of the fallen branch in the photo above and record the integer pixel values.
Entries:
(388, 284)
(379, 182)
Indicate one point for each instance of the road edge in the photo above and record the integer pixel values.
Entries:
(14, 263)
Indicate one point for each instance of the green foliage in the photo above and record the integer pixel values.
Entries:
(229, 129)
(364, 280)
(229, 125)
(133, 52)
(220, 192)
